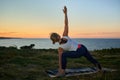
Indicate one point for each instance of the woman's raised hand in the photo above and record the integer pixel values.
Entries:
(65, 10)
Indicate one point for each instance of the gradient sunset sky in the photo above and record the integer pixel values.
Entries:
(38, 18)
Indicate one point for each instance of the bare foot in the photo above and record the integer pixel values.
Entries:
(60, 73)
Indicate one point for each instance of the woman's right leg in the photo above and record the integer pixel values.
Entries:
(69, 54)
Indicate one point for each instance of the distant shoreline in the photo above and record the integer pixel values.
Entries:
(9, 38)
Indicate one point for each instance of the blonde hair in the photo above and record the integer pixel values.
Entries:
(54, 37)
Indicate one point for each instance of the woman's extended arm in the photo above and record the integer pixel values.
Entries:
(60, 51)
(65, 33)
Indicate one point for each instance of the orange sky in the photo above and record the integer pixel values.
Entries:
(38, 18)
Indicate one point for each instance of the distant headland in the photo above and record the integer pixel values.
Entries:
(10, 38)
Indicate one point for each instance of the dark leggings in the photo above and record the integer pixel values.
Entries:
(82, 51)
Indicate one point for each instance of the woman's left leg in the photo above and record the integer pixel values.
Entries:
(91, 59)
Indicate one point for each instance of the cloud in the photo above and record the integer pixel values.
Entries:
(100, 33)
(7, 33)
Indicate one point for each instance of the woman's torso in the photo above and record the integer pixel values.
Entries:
(70, 45)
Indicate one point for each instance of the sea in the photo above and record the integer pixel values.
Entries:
(44, 43)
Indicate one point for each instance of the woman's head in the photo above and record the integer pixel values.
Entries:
(55, 37)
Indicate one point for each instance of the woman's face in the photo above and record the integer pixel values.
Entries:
(57, 39)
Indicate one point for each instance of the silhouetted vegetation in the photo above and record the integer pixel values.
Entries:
(109, 51)
(30, 64)
(28, 47)
(9, 48)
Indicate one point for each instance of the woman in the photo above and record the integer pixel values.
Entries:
(69, 48)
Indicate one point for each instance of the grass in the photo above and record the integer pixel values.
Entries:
(30, 64)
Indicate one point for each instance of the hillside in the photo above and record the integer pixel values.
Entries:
(30, 64)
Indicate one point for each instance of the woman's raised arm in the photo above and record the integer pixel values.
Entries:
(66, 29)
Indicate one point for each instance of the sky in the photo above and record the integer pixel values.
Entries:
(39, 18)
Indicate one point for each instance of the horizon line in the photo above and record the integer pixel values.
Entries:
(48, 37)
